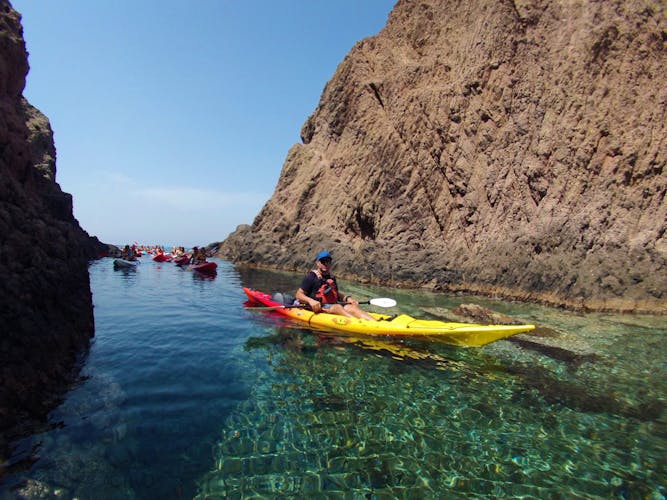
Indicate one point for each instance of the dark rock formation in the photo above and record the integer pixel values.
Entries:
(512, 148)
(46, 316)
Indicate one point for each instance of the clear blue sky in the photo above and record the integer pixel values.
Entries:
(172, 119)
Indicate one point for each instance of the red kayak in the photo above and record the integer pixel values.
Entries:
(161, 257)
(206, 267)
(183, 259)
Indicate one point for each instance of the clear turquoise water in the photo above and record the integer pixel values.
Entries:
(185, 394)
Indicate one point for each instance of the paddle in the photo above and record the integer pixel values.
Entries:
(380, 302)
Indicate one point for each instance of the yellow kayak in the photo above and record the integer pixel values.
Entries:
(402, 325)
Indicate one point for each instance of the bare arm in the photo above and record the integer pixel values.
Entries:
(304, 299)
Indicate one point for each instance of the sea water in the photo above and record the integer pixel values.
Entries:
(184, 394)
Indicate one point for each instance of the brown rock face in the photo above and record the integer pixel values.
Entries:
(46, 318)
(514, 148)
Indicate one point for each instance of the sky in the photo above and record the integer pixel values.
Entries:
(172, 119)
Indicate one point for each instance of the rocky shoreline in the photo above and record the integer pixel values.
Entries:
(513, 149)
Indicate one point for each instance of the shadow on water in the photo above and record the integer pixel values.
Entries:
(197, 276)
(570, 358)
(129, 275)
(309, 342)
(538, 385)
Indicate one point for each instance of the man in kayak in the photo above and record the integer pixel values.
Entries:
(320, 291)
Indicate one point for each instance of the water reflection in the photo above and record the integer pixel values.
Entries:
(128, 273)
(197, 276)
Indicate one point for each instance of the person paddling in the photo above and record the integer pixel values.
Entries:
(319, 290)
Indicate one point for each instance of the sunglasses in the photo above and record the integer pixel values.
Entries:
(326, 260)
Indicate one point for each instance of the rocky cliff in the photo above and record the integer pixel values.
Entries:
(512, 148)
(46, 316)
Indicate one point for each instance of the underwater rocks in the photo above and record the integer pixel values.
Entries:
(484, 315)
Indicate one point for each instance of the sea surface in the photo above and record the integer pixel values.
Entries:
(184, 394)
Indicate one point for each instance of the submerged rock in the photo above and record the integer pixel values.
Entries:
(484, 315)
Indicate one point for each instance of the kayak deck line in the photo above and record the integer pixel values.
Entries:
(397, 326)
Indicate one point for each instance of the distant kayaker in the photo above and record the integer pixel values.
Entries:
(193, 255)
(320, 291)
(127, 253)
(199, 257)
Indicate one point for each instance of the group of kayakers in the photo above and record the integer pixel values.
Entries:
(178, 251)
(149, 249)
(196, 257)
(318, 290)
(195, 261)
(129, 253)
(178, 254)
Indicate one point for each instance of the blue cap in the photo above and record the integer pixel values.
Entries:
(323, 255)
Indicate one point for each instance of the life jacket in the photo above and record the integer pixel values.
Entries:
(327, 293)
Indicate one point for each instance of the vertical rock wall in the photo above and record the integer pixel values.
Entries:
(46, 314)
(513, 148)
